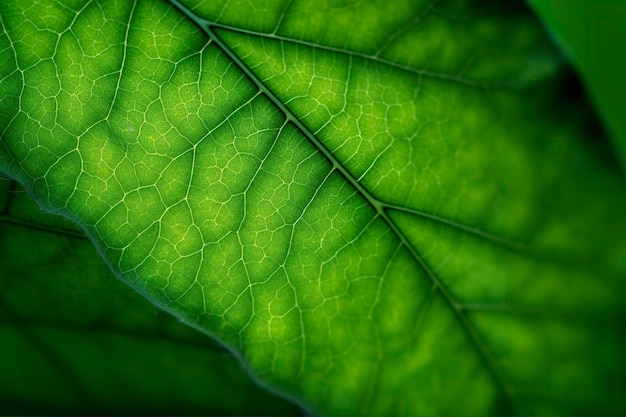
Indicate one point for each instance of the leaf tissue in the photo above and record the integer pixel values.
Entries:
(381, 210)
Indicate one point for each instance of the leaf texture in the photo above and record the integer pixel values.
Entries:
(380, 210)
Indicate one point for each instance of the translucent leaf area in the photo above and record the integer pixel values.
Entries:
(381, 210)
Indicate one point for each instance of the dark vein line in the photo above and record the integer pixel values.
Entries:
(509, 244)
(513, 246)
(282, 16)
(403, 29)
(484, 353)
(210, 25)
(455, 78)
(5, 219)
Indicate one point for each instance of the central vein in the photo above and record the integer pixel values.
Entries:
(381, 208)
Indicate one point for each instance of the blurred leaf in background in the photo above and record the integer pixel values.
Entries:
(592, 33)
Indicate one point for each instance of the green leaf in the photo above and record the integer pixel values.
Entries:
(591, 32)
(381, 210)
(75, 340)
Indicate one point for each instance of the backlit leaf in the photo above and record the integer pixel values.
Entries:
(381, 210)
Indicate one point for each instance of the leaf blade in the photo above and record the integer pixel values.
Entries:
(248, 212)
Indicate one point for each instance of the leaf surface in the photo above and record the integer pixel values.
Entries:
(381, 210)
